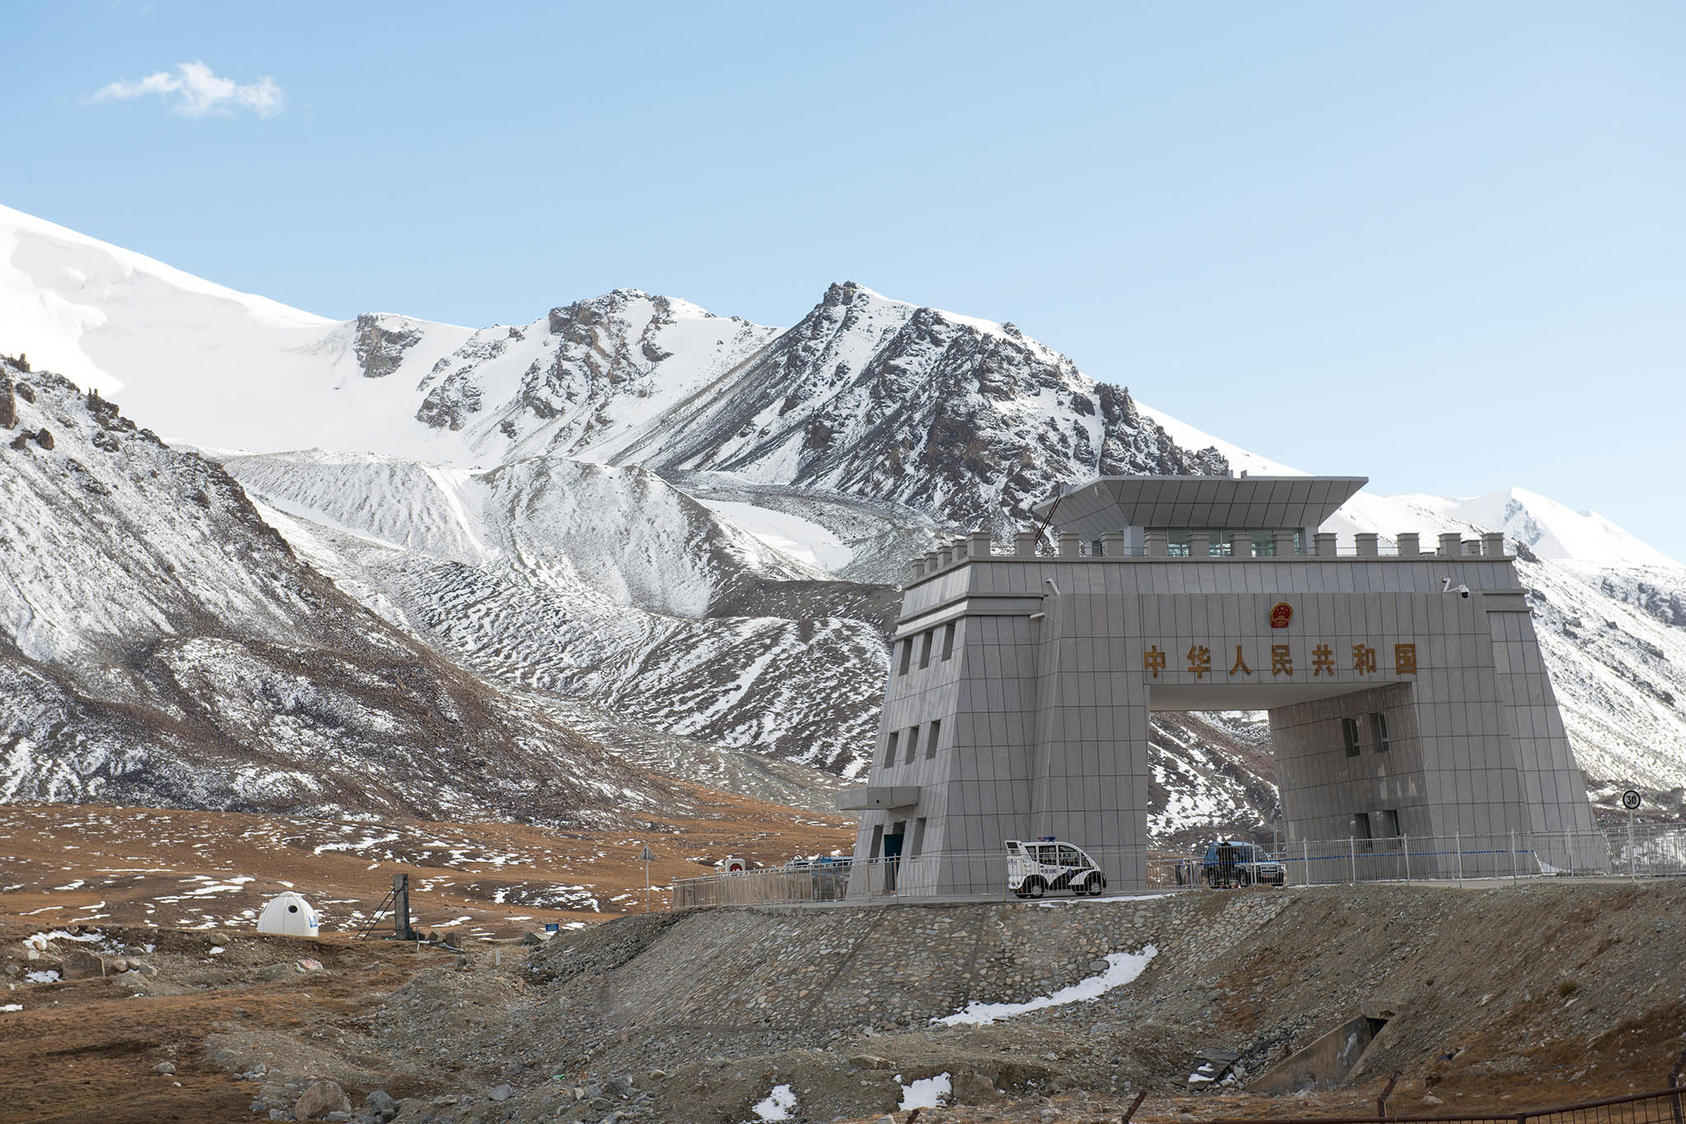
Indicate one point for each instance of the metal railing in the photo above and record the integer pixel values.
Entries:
(1643, 851)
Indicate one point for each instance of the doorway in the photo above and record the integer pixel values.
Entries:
(893, 854)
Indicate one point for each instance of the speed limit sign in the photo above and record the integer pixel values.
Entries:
(1630, 799)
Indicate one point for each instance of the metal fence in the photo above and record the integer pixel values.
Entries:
(1642, 851)
(1662, 1107)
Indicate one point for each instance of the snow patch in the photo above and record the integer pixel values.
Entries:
(926, 1092)
(800, 538)
(776, 1105)
(1122, 968)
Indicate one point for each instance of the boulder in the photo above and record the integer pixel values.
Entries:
(380, 1104)
(164, 1069)
(321, 1098)
(500, 1092)
(78, 964)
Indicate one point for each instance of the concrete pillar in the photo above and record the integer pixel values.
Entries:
(1199, 544)
(1068, 545)
(1283, 542)
(933, 560)
(1240, 544)
(916, 569)
(1158, 544)
(1493, 544)
(1024, 544)
(945, 556)
(1408, 541)
(1366, 541)
(1112, 544)
(977, 544)
(1451, 544)
(1326, 543)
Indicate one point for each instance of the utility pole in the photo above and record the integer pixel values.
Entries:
(644, 857)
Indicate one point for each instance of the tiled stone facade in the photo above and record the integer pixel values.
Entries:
(1021, 685)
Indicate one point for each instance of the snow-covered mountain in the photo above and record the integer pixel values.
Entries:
(691, 522)
(586, 581)
(159, 642)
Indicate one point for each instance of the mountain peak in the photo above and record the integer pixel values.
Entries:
(858, 296)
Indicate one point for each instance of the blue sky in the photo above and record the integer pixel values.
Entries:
(1438, 244)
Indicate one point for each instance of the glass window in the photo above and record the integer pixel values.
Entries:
(907, 654)
(1070, 857)
(1378, 729)
(931, 737)
(948, 640)
(1349, 735)
(890, 753)
(925, 648)
(912, 742)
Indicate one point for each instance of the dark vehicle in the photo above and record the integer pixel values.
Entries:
(1237, 862)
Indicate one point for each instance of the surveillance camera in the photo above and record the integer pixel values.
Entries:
(1446, 586)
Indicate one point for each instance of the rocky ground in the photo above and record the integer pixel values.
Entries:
(1495, 998)
(64, 865)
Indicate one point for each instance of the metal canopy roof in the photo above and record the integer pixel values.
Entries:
(1246, 503)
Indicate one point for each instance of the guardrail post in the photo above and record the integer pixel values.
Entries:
(1352, 854)
(1568, 851)
(1305, 860)
(1405, 842)
(1513, 854)
(1674, 1083)
(1458, 846)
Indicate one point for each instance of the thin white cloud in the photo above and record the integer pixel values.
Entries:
(198, 92)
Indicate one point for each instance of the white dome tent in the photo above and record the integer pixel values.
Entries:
(289, 915)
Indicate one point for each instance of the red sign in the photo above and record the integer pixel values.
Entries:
(1281, 615)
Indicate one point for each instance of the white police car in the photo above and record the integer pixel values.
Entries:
(1034, 869)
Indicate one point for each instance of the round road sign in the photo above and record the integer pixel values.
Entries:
(1630, 800)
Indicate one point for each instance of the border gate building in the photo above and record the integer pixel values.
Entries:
(1406, 691)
